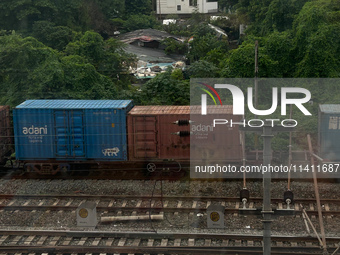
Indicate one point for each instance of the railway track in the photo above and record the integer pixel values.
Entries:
(98, 174)
(157, 203)
(103, 242)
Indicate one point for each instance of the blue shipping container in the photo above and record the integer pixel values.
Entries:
(329, 132)
(71, 130)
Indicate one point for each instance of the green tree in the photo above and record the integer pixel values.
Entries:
(280, 15)
(21, 14)
(139, 21)
(20, 60)
(165, 89)
(82, 81)
(108, 57)
(316, 41)
(112, 8)
(202, 69)
(175, 46)
(31, 70)
(279, 47)
(138, 7)
(226, 4)
(202, 45)
(241, 63)
(321, 57)
(89, 46)
(56, 37)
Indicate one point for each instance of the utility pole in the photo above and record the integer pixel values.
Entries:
(290, 158)
(267, 208)
(256, 83)
(256, 71)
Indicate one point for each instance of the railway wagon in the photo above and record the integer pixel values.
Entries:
(166, 136)
(329, 132)
(155, 138)
(54, 135)
(219, 143)
(6, 138)
(51, 134)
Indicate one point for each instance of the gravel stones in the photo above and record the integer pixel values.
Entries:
(177, 223)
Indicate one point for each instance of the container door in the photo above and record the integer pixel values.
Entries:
(69, 134)
(62, 137)
(145, 133)
(76, 133)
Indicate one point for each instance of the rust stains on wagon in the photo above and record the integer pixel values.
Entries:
(150, 133)
(154, 135)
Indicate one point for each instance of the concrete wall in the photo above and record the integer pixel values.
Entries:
(171, 6)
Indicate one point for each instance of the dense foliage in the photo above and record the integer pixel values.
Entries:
(65, 49)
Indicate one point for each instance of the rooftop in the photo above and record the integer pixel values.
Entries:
(74, 104)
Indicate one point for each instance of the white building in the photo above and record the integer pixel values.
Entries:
(186, 6)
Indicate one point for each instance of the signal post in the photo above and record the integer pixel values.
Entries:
(267, 132)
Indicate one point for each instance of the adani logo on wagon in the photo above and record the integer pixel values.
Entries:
(35, 134)
(32, 130)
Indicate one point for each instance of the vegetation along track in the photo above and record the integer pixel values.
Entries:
(59, 242)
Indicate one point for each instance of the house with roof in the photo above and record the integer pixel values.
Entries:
(186, 6)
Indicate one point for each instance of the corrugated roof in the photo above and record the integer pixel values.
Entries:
(74, 104)
(147, 35)
(185, 109)
(330, 108)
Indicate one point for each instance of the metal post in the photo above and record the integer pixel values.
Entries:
(290, 158)
(267, 210)
(244, 158)
(317, 196)
(256, 83)
(256, 71)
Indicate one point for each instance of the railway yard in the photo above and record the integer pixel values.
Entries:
(107, 177)
(38, 216)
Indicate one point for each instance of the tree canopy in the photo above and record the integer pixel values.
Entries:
(66, 49)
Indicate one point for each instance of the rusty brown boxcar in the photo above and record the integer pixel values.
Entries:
(154, 134)
(151, 133)
(6, 138)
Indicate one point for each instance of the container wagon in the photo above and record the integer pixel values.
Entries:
(54, 135)
(50, 135)
(329, 132)
(153, 136)
(159, 135)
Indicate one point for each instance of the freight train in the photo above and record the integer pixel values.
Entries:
(61, 135)
(55, 135)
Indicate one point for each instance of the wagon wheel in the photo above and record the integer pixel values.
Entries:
(177, 170)
(65, 170)
(28, 167)
(151, 167)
